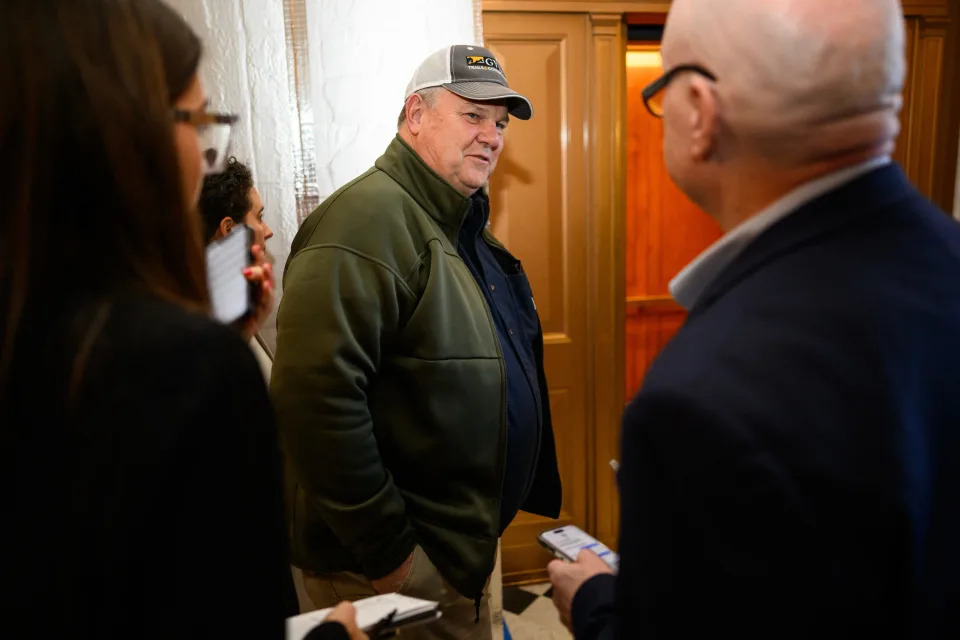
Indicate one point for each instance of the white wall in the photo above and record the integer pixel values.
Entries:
(362, 54)
(244, 71)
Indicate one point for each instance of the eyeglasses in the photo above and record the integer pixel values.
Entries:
(653, 94)
(214, 131)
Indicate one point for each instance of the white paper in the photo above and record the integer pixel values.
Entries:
(369, 612)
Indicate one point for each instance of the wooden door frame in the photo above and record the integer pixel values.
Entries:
(606, 160)
(936, 28)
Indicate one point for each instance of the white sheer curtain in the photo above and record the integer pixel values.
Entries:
(362, 54)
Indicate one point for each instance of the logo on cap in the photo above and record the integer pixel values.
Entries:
(484, 63)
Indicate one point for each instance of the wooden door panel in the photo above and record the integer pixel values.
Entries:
(525, 190)
(649, 329)
(918, 144)
(538, 210)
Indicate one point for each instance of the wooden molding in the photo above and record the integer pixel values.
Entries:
(608, 24)
(944, 188)
(644, 304)
(927, 146)
(608, 171)
(926, 7)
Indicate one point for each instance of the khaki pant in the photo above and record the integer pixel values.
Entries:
(423, 581)
(496, 596)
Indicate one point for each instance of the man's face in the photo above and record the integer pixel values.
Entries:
(254, 219)
(461, 140)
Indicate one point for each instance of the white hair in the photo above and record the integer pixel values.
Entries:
(429, 97)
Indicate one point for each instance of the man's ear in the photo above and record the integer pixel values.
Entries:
(704, 119)
(225, 226)
(415, 107)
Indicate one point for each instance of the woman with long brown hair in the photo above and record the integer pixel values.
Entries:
(141, 483)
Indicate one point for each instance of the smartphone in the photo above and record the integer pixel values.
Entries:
(232, 296)
(566, 542)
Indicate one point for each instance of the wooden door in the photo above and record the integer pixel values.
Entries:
(664, 230)
(538, 199)
(926, 148)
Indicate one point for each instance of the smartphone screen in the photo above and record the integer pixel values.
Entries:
(230, 294)
(568, 542)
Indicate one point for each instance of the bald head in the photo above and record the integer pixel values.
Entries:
(799, 81)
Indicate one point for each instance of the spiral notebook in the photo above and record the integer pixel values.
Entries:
(370, 611)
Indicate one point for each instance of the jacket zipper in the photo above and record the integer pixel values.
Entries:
(502, 453)
(534, 384)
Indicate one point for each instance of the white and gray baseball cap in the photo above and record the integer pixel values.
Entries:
(471, 72)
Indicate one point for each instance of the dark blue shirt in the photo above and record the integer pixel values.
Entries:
(507, 293)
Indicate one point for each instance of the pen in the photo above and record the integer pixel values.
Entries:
(382, 628)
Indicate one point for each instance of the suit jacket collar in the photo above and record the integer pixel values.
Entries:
(847, 204)
(696, 277)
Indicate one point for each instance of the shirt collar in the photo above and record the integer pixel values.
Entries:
(693, 280)
(478, 218)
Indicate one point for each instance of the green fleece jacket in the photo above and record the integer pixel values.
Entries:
(389, 384)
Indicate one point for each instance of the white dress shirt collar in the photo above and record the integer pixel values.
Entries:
(692, 282)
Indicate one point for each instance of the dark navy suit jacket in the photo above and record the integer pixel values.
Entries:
(791, 467)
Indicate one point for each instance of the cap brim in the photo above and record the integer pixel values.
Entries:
(517, 105)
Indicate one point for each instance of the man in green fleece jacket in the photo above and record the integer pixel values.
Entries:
(408, 380)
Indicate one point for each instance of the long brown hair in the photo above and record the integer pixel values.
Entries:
(89, 178)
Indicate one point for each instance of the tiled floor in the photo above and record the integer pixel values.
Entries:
(530, 613)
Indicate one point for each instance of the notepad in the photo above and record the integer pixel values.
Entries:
(369, 612)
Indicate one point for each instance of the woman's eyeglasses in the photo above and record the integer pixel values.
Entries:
(214, 131)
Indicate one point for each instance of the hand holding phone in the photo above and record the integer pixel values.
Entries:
(569, 573)
(567, 542)
(260, 276)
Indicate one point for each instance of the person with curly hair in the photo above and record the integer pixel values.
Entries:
(229, 199)
(226, 200)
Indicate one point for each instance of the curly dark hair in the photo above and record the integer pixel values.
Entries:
(225, 194)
